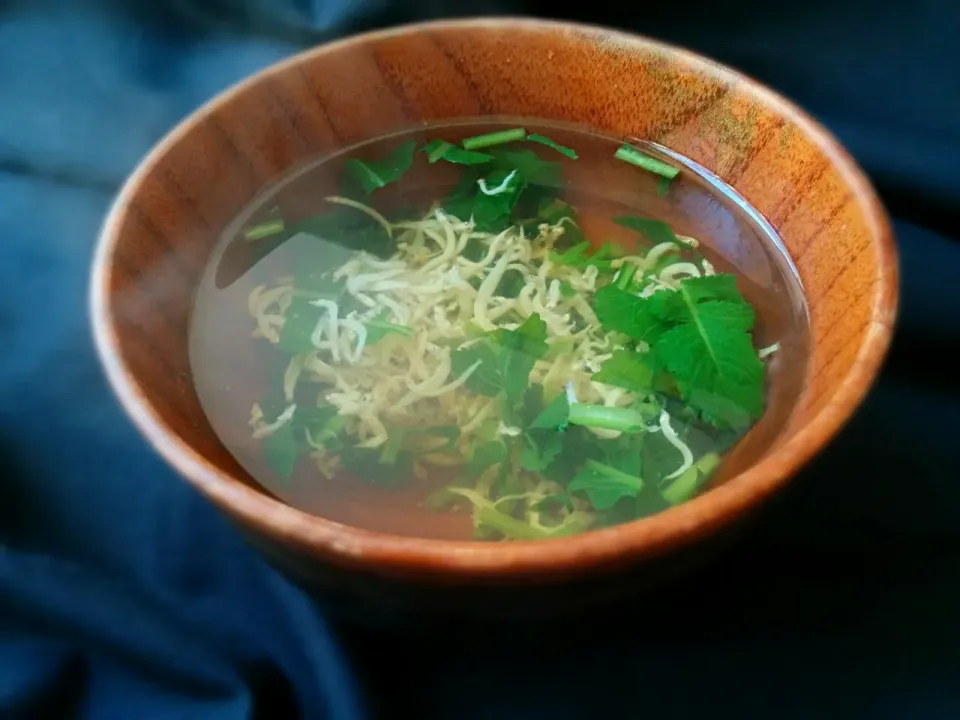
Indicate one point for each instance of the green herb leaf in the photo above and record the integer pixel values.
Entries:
(510, 285)
(675, 306)
(341, 232)
(578, 257)
(718, 410)
(575, 256)
(660, 457)
(393, 445)
(274, 401)
(629, 370)
(379, 327)
(554, 211)
(301, 320)
(485, 380)
(605, 485)
(442, 150)
(519, 351)
(624, 312)
(721, 359)
(315, 417)
(520, 173)
(485, 456)
(368, 465)
(579, 444)
(532, 405)
(624, 453)
(506, 358)
(550, 143)
(492, 213)
(323, 423)
(539, 449)
(700, 333)
(554, 416)
(281, 450)
(714, 353)
(388, 169)
(530, 166)
(655, 230)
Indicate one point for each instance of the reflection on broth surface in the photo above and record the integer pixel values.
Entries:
(478, 331)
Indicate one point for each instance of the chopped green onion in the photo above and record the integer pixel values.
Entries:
(501, 137)
(607, 418)
(263, 230)
(663, 187)
(625, 276)
(630, 154)
(442, 150)
(689, 482)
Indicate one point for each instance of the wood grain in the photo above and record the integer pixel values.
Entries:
(167, 218)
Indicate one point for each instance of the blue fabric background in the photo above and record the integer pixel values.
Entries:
(124, 595)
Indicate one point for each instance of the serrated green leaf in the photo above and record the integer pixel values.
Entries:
(676, 305)
(629, 370)
(624, 312)
(714, 353)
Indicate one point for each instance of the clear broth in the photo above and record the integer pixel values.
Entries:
(229, 367)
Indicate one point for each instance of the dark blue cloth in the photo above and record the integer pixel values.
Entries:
(123, 594)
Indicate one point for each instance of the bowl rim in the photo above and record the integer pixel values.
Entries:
(391, 554)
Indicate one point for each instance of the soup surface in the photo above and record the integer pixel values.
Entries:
(497, 331)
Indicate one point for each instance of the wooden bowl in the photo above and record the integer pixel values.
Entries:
(168, 217)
